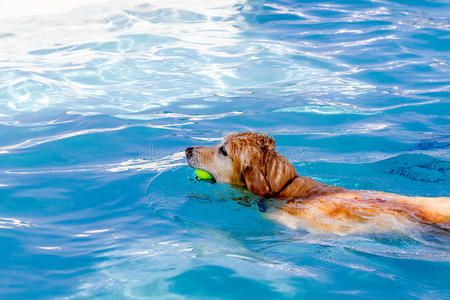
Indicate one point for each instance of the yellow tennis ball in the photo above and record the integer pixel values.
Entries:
(203, 175)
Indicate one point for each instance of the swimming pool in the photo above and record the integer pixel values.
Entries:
(98, 103)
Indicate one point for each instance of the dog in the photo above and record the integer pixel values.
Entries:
(250, 160)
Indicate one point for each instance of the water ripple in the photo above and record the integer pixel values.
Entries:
(42, 140)
(97, 103)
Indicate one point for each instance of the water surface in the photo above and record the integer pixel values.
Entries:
(97, 105)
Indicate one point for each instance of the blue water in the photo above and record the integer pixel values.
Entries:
(98, 103)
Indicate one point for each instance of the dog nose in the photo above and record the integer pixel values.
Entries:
(188, 151)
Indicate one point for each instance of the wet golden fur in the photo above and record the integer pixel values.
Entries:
(250, 160)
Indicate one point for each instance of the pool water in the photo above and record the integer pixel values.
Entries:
(97, 105)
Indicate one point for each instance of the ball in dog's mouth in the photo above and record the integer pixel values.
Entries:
(203, 175)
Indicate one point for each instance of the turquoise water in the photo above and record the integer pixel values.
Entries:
(98, 104)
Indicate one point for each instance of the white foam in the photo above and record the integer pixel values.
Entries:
(162, 164)
(51, 248)
(10, 223)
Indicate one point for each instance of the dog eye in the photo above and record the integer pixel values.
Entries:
(222, 150)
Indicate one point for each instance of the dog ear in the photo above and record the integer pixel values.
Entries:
(278, 171)
(255, 180)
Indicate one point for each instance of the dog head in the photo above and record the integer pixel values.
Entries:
(247, 159)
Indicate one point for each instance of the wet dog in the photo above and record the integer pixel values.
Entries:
(250, 160)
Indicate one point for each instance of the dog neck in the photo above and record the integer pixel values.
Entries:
(304, 187)
(275, 195)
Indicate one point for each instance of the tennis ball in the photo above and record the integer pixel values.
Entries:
(203, 175)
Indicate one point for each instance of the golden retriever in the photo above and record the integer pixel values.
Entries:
(250, 160)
